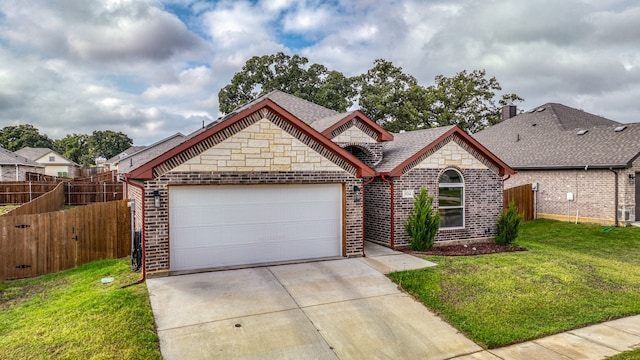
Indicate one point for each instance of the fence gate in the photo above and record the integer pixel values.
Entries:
(37, 244)
(522, 197)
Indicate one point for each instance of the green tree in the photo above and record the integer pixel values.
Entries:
(393, 98)
(107, 144)
(423, 222)
(467, 100)
(74, 147)
(15, 138)
(291, 74)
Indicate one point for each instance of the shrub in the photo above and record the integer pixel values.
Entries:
(508, 224)
(422, 223)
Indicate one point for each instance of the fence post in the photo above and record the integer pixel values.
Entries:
(30, 191)
(69, 194)
(104, 191)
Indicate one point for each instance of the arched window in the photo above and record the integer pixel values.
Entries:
(451, 199)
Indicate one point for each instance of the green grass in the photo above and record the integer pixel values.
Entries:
(72, 315)
(6, 208)
(628, 355)
(572, 276)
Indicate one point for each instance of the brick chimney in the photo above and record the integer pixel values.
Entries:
(509, 111)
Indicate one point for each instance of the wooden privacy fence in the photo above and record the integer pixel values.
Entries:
(522, 196)
(108, 176)
(76, 193)
(51, 201)
(37, 244)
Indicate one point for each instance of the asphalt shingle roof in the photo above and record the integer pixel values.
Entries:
(300, 108)
(149, 153)
(130, 151)
(404, 145)
(549, 139)
(36, 153)
(10, 158)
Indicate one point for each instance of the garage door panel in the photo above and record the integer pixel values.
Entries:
(214, 226)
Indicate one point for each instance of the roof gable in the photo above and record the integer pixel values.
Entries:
(230, 125)
(41, 155)
(409, 149)
(10, 158)
(262, 146)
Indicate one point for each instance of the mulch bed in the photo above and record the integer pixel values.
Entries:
(468, 250)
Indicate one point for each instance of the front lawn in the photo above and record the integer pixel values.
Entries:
(72, 315)
(572, 276)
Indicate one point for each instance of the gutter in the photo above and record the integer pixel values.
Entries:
(144, 264)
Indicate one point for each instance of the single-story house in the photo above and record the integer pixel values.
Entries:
(283, 179)
(14, 167)
(54, 163)
(584, 166)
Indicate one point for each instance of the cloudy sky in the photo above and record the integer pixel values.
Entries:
(151, 68)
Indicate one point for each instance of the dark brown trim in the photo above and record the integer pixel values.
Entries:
(504, 169)
(383, 135)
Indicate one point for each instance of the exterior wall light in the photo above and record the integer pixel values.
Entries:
(357, 196)
(156, 198)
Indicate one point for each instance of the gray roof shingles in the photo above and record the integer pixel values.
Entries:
(134, 161)
(10, 158)
(404, 145)
(548, 139)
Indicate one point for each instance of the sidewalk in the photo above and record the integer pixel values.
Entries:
(592, 342)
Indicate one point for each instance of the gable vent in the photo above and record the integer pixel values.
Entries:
(620, 128)
(582, 132)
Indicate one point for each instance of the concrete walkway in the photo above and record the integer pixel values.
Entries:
(589, 343)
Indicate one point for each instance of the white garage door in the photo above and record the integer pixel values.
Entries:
(214, 226)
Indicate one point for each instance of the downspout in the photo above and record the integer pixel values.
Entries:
(615, 202)
(144, 264)
(393, 228)
(362, 197)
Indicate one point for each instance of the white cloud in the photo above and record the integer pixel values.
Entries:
(75, 66)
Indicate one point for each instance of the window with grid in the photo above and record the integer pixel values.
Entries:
(451, 199)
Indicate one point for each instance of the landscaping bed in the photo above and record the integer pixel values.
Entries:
(468, 249)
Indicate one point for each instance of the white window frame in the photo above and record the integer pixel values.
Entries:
(460, 185)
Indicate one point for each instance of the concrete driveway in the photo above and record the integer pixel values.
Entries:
(338, 309)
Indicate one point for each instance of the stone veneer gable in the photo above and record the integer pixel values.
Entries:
(239, 126)
(262, 146)
(354, 135)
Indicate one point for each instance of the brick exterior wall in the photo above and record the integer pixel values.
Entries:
(593, 194)
(482, 199)
(157, 220)
(482, 196)
(8, 172)
(377, 212)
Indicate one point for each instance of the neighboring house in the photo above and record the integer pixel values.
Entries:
(282, 179)
(585, 166)
(14, 167)
(112, 163)
(54, 163)
(145, 153)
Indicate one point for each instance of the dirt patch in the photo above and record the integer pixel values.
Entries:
(468, 250)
